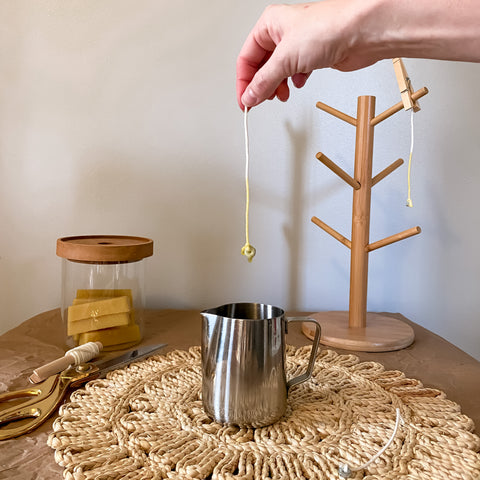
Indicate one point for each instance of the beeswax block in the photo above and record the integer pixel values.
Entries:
(98, 308)
(112, 336)
(104, 321)
(79, 301)
(91, 293)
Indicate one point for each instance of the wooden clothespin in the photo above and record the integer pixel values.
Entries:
(405, 85)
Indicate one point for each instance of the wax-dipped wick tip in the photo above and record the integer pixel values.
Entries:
(249, 251)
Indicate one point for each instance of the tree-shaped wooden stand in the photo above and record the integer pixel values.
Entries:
(356, 329)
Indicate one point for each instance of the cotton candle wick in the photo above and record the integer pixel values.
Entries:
(346, 471)
(409, 198)
(247, 250)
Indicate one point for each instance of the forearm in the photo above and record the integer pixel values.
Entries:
(438, 29)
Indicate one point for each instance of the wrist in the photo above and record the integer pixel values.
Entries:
(383, 30)
(418, 29)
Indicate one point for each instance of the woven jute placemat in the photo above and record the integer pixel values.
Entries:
(147, 422)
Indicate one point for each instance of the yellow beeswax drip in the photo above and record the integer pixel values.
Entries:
(247, 250)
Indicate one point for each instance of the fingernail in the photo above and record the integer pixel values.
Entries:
(248, 98)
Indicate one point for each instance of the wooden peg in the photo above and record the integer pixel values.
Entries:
(397, 107)
(332, 232)
(394, 238)
(336, 169)
(337, 113)
(405, 85)
(387, 171)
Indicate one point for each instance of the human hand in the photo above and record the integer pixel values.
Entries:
(290, 41)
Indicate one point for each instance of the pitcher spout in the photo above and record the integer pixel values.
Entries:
(244, 311)
(209, 316)
(209, 312)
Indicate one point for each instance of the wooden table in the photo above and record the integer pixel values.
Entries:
(431, 359)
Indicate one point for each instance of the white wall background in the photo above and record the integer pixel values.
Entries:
(120, 117)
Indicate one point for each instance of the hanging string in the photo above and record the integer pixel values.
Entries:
(409, 199)
(345, 471)
(247, 250)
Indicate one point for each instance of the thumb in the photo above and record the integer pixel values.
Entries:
(266, 81)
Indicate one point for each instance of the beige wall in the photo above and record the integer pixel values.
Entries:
(120, 117)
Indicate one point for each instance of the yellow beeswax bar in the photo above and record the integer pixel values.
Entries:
(104, 293)
(80, 301)
(105, 321)
(98, 308)
(112, 336)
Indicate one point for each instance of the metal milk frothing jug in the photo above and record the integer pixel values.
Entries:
(243, 363)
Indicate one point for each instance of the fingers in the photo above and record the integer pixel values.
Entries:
(268, 58)
(262, 81)
(300, 79)
(250, 59)
(250, 99)
(245, 73)
(282, 92)
(260, 72)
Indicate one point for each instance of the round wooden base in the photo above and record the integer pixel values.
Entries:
(382, 333)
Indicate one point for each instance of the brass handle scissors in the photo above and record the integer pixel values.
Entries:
(22, 411)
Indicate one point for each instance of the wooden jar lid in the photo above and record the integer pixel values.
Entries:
(104, 248)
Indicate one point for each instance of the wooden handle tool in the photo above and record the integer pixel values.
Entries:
(73, 357)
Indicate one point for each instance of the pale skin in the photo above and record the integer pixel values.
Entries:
(291, 41)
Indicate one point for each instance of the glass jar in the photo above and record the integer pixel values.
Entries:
(103, 294)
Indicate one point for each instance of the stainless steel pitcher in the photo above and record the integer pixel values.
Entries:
(243, 361)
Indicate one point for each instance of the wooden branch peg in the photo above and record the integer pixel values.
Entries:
(336, 169)
(337, 113)
(332, 232)
(393, 238)
(405, 85)
(397, 107)
(387, 171)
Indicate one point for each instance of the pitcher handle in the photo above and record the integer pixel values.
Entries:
(311, 363)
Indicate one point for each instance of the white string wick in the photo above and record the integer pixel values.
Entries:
(409, 199)
(84, 353)
(247, 250)
(345, 470)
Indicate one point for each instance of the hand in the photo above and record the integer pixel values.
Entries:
(292, 41)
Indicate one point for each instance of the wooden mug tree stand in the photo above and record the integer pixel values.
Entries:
(358, 329)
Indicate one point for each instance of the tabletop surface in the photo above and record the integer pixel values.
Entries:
(431, 359)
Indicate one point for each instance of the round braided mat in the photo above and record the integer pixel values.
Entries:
(147, 422)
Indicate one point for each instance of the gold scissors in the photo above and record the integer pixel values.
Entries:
(24, 410)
